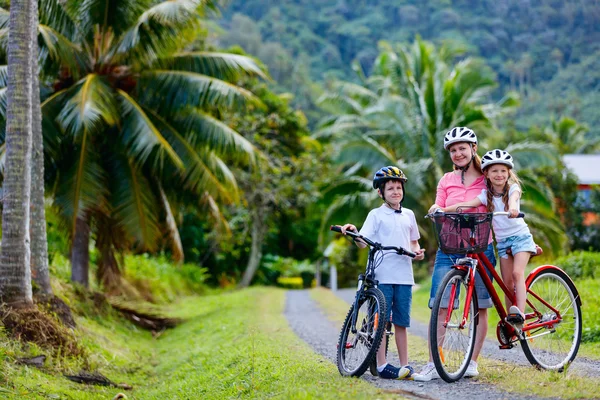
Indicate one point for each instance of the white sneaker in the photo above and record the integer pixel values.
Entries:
(427, 373)
(471, 371)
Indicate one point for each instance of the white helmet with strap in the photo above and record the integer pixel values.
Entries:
(497, 156)
(458, 135)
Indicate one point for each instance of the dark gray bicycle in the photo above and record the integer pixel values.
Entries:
(364, 326)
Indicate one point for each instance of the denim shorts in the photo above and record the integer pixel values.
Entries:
(398, 299)
(443, 264)
(517, 244)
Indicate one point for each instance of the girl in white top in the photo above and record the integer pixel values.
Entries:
(514, 241)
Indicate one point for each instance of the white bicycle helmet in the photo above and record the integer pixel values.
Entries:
(459, 134)
(497, 156)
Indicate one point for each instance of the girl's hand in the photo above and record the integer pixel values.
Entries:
(420, 254)
(513, 213)
(433, 208)
(348, 227)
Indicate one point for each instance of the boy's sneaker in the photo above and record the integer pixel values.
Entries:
(515, 317)
(471, 371)
(427, 373)
(391, 372)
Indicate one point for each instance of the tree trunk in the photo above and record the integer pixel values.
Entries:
(175, 239)
(80, 252)
(259, 230)
(15, 273)
(108, 275)
(37, 224)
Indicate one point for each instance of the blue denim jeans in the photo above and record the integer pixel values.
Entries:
(443, 264)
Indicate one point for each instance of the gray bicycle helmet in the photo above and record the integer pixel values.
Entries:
(459, 134)
(497, 156)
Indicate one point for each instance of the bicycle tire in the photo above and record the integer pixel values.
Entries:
(373, 366)
(450, 350)
(356, 351)
(553, 348)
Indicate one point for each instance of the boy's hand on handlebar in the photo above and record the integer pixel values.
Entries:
(420, 254)
(348, 227)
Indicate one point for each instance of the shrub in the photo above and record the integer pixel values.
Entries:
(274, 267)
(580, 264)
(162, 280)
(292, 282)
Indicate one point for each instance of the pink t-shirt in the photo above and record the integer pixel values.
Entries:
(450, 191)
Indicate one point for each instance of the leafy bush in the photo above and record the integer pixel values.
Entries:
(589, 290)
(274, 267)
(581, 264)
(160, 280)
(292, 282)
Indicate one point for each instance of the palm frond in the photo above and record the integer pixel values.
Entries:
(349, 208)
(157, 31)
(225, 66)
(139, 133)
(52, 13)
(61, 50)
(91, 105)
(135, 206)
(204, 172)
(83, 184)
(202, 129)
(169, 90)
(532, 154)
(4, 18)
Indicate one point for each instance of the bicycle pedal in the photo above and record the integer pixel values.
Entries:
(506, 346)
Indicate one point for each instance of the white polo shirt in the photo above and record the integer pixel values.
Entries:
(384, 225)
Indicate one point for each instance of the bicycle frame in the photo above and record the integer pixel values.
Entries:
(484, 265)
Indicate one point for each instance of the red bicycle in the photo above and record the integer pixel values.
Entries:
(551, 334)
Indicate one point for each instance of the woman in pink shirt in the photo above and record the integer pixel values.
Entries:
(464, 183)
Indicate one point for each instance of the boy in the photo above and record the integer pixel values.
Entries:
(392, 225)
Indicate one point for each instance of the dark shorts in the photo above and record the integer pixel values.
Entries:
(398, 299)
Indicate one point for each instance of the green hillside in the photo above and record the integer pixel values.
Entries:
(545, 50)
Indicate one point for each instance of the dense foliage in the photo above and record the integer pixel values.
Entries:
(546, 50)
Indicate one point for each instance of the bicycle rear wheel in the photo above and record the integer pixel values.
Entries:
(452, 345)
(553, 346)
(356, 350)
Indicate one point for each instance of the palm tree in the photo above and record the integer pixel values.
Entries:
(37, 225)
(398, 116)
(15, 273)
(132, 120)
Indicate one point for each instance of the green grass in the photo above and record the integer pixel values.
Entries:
(505, 376)
(233, 345)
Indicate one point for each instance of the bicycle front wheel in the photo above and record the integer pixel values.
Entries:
(361, 336)
(453, 326)
(552, 346)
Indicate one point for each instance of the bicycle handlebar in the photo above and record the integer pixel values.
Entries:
(378, 246)
(439, 212)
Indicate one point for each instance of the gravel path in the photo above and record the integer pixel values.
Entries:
(311, 325)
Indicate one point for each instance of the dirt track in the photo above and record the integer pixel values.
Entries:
(310, 324)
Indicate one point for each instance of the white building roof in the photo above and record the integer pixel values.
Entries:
(585, 166)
